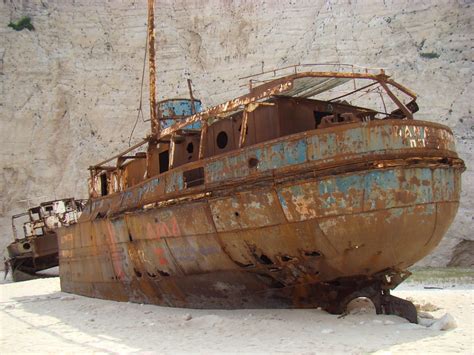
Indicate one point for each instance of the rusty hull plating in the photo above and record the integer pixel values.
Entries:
(306, 217)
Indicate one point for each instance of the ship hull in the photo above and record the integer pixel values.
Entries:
(33, 254)
(297, 232)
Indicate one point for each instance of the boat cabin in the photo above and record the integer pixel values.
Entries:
(275, 109)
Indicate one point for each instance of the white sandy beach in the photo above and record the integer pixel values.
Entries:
(36, 317)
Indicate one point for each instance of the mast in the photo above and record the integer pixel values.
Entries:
(155, 124)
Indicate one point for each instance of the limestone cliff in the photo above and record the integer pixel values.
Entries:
(69, 90)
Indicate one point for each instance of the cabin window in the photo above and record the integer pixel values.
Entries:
(318, 116)
(222, 140)
(164, 158)
(194, 177)
(103, 185)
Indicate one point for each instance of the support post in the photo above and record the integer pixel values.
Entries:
(243, 127)
(202, 141)
(190, 87)
(400, 104)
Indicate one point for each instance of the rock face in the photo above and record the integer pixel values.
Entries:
(69, 91)
(463, 254)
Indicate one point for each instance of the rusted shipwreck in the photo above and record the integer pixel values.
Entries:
(37, 249)
(289, 196)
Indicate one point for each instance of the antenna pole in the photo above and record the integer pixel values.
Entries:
(155, 124)
(190, 87)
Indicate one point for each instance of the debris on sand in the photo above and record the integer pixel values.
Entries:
(446, 322)
(327, 331)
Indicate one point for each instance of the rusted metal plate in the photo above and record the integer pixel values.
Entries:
(153, 260)
(355, 193)
(246, 210)
(199, 254)
(282, 154)
(338, 195)
(174, 181)
(234, 167)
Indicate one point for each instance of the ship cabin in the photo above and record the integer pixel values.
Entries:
(281, 107)
(38, 220)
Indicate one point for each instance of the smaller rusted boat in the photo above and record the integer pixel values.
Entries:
(37, 249)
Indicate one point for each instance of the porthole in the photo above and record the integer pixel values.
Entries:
(222, 140)
(253, 162)
(190, 148)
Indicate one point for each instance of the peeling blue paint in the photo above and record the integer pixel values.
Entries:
(385, 179)
(345, 183)
(328, 145)
(295, 152)
(213, 170)
(178, 107)
(148, 187)
(264, 157)
(313, 148)
(375, 139)
(174, 182)
(354, 141)
(444, 184)
(282, 200)
(275, 156)
(426, 191)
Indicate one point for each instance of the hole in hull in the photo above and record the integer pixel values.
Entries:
(253, 162)
(286, 258)
(245, 266)
(265, 260)
(312, 253)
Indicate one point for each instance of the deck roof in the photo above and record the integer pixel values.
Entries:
(305, 84)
